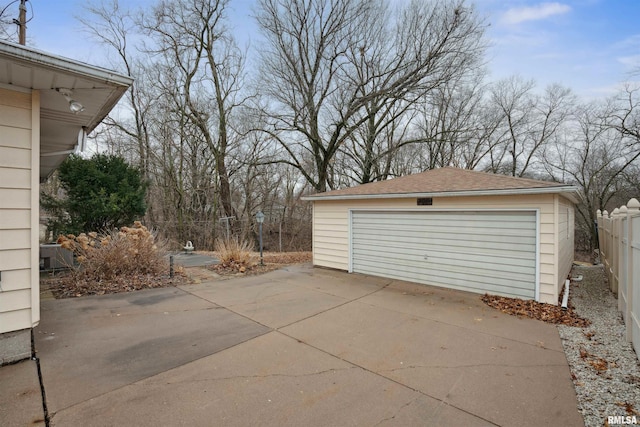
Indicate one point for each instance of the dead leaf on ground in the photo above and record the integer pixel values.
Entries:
(629, 408)
(535, 310)
(596, 362)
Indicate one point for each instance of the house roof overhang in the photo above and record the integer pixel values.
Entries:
(97, 89)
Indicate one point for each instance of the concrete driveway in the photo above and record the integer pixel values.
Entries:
(300, 346)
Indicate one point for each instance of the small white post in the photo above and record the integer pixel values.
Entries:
(615, 246)
(604, 250)
(600, 232)
(621, 266)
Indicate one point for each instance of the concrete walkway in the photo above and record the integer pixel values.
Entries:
(300, 346)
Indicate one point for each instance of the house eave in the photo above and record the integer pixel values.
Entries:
(58, 63)
(568, 191)
(24, 69)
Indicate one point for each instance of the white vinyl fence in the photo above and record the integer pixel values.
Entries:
(619, 238)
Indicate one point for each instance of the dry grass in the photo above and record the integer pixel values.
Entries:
(272, 261)
(234, 255)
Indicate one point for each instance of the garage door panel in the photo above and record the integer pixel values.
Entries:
(461, 281)
(469, 259)
(408, 224)
(447, 268)
(497, 252)
(476, 251)
(444, 237)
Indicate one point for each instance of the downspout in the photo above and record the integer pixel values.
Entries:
(565, 296)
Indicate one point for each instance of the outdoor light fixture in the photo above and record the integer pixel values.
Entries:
(74, 105)
(260, 219)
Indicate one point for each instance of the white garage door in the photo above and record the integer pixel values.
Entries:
(481, 251)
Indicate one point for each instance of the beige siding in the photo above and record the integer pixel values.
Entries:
(566, 218)
(331, 228)
(18, 204)
(16, 279)
(10, 320)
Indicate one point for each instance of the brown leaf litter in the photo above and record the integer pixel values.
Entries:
(535, 310)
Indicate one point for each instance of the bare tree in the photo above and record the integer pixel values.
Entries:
(113, 27)
(332, 66)
(594, 157)
(529, 121)
(191, 38)
(625, 117)
(454, 124)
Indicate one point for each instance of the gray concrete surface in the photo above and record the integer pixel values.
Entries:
(300, 346)
(193, 259)
(20, 396)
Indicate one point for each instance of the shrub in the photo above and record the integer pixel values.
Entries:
(102, 192)
(235, 254)
(130, 251)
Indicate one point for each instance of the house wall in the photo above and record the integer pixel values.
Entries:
(566, 218)
(331, 228)
(19, 192)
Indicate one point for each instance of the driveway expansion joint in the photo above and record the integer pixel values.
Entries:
(475, 365)
(35, 358)
(236, 377)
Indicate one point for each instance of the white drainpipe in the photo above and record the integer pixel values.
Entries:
(565, 296)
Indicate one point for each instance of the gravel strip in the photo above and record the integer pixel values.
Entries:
(604, 366)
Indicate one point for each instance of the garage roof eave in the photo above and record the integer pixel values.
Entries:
(568, 191)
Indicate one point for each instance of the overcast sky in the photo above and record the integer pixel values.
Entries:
(590, 46)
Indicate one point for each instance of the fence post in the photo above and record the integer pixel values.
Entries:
(621, 260)
(633, 210)
(600, 235)
(606, 227)
(615, 249)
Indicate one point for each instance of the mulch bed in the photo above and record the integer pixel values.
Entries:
(70, 285)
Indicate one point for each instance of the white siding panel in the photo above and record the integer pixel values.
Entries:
(14, 239)
(15, 320)
(18, 158)
(15, 279)
(15, 117)
(12, 98)
(565, 240)
(15, 300)
(15, 259)
(18, 211)
(474, 251)
(15, 218)
(15, 137)
(15, 178)
(11, 198)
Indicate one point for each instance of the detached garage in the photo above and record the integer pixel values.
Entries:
(454, 228)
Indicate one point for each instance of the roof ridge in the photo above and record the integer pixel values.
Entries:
(493, 174)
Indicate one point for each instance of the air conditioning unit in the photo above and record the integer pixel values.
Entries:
(54, 256)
